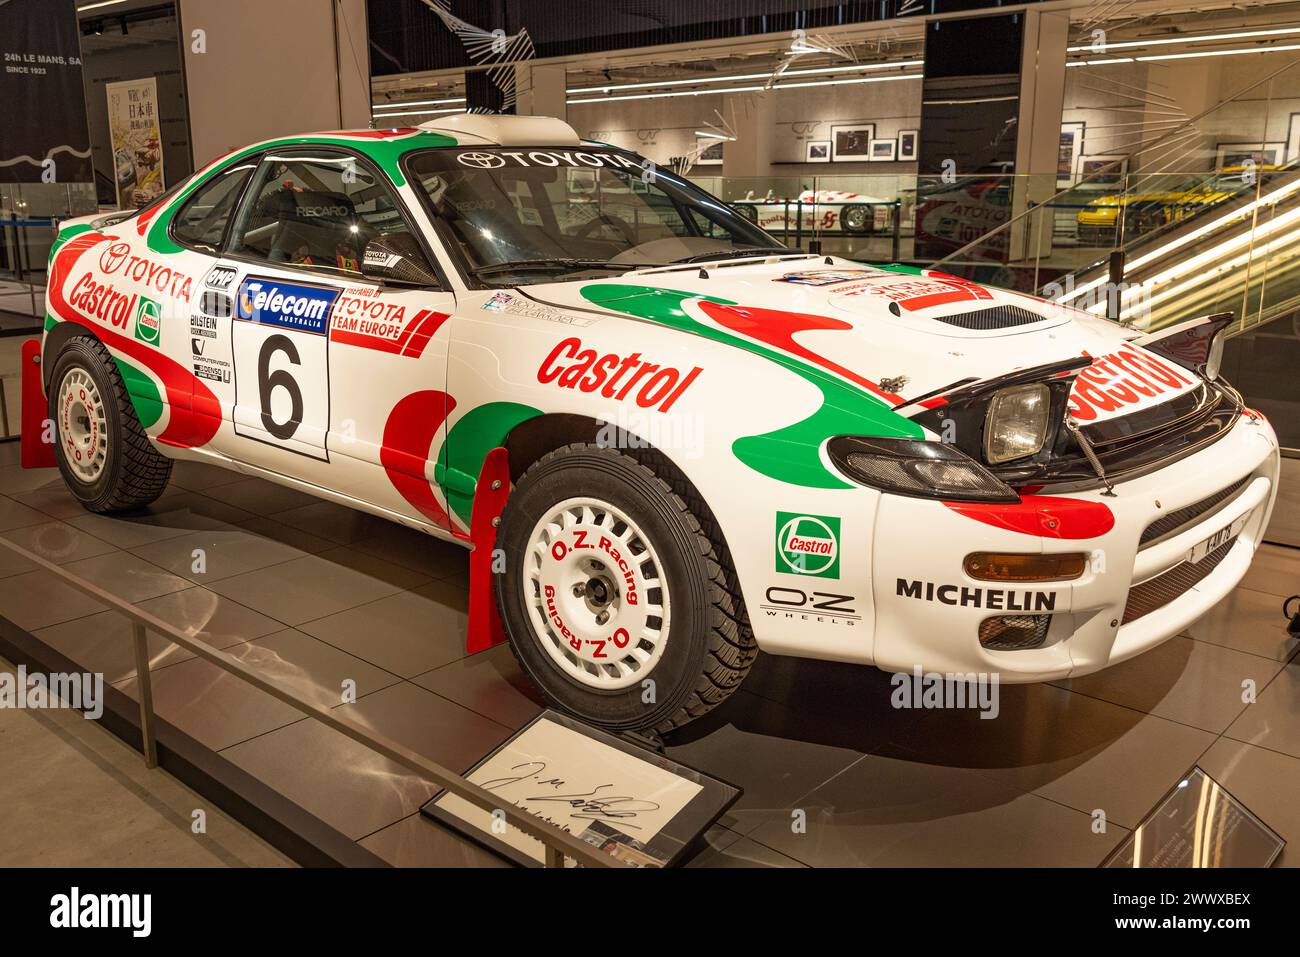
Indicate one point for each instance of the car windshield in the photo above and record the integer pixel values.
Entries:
(533, 215)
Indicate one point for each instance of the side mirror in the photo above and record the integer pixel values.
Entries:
(397, 258)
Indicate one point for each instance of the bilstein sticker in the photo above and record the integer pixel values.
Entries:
(808, 544)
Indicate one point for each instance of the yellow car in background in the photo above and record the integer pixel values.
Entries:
(1146, 211)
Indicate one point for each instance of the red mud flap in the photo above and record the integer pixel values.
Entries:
(37, 452)
(490, 495)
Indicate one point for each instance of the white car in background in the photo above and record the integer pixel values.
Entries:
(820, 211)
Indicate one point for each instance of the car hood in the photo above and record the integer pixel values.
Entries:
(901, 333)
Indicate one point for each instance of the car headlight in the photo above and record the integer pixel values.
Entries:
(1016, 423)
(917, 468)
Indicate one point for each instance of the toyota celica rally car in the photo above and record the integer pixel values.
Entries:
(668, 441)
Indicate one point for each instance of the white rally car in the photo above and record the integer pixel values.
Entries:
(818, 211)
(668, 442)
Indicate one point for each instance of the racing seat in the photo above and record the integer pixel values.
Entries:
(312, 226)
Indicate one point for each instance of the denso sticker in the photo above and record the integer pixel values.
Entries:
(1125, 381)
(570, 365)
(808, 544)
(289, 305)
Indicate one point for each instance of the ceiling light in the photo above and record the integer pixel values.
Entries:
(388, 116)
(1205, 38)
(401, 104)
(747, 89)
(810, 71)
(1185, 56)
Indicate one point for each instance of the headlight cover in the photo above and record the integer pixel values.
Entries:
(1017, 422)
(917, 468)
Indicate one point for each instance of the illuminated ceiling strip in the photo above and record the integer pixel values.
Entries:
(96, 6)
(1186, 56)
(385, 116)
(812, 71)
(396, 105)
(747, 89)
(1161, 41)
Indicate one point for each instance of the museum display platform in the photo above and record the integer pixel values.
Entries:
(316, 595)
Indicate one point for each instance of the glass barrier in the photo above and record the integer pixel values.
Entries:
(29, 218)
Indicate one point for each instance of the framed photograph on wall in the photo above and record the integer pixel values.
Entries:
(1071, 149)
(711, 155)
(1238, 154)
(852, 143)
(818, 151)
(908, 145)
(1292, 153)
(883, 150)
(1116, 167)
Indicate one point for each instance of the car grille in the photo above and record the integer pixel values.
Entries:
(996, 317)
(1157, 592)
(1179, 518)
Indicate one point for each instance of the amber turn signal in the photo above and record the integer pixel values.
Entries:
(1013, 567)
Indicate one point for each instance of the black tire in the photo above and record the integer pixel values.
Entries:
(867, 225)
(709, 645)
(134, 473)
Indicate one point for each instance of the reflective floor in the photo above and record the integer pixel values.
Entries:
(320, 596)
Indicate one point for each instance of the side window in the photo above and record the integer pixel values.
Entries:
(317, 211)
(202, 220)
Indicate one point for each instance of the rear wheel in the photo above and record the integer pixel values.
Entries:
(617, 599)
(105, 458)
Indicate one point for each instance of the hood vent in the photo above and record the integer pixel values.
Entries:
(995, 317)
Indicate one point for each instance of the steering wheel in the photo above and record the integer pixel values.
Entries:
(607, 219)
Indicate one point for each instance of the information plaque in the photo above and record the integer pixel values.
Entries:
(635, 805)
(1198, 824)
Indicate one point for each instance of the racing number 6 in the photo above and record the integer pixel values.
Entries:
(268, 381)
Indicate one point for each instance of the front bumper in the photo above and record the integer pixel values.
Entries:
(928, 610)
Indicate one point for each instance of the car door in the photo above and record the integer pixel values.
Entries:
(324, 361)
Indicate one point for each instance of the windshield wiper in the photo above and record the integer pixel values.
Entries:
(558, 265)
(739, 254)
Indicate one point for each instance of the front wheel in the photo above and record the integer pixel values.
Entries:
(617, 599)
(103, 453)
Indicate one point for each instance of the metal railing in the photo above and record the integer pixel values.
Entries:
(558, 844)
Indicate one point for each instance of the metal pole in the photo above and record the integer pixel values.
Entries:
(144, 684)
(553, 857)
(898, 228)
(4, 404)
(1116, 269)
